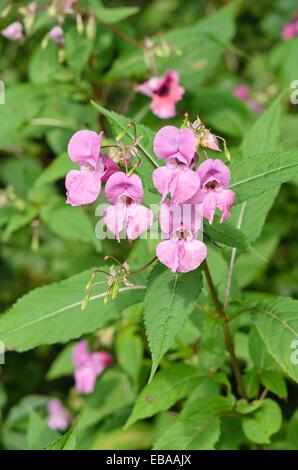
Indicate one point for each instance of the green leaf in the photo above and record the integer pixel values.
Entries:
(197, 427)
(212, 345)
(62, 364)
(19, 220)
(167, 387)
(274, 382)
(261, 172)
(39, 435)
(244, 407)
(264, 136)
(277, 324)
(148, 160)
(74, 42)
(56, 170)
(69, 222)
(170, 299)
(226, 234)
(112, 15)
(129, 350)
(265, 422)
(112, 392)
(66, 442)
(258, 351)
(44, 64)
(251, 382)
(52, 314)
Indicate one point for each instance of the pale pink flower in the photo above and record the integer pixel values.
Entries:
(215, 177)
(56, 35)
(13, 32)
(165, 93)
(177, 180)
(59, 418)
(175, 145)
(181, 252)
(83, 185)
(126, 193)
(88, 366)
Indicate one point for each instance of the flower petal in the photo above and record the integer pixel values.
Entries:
(84, 147)
(139, 219)
(214, 169)
(114, 217)
(168, 254)
(191, 255)
(110, 168)
(83, 187)
(119, 184)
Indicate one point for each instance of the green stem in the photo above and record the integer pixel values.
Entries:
(228, 338)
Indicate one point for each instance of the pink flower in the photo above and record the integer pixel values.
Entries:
(181, 252)
(177, 180)
(59, 418)
(165, 93)
(14, 31)
(83, 186)
(88, 366)
(289, 30)
(56, 35)
(126, 192)
(175, 145)
(242, 92)
(215, 177)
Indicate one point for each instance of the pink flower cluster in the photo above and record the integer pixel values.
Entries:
(188, 192)
(165, 93)
(290, 29)
(88, 366)
(125, 192)
(193, 193)
(59, 418)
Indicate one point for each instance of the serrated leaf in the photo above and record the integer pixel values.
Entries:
(226, 234)
(167, 387)
(197, 427)
(66, 442)
(52, 313)
(170, 299)
(265, 422)
(256, 174)
(129, 350)
(277, 324)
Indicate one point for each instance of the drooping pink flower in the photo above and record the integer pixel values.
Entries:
(59, 418)
(181, 252)
(165, 93)
(126, 193)
(83, 186)
(56, 35)
(175, 145)
(215, 177)
(177, 180)
(13, 32)
(88, 366)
